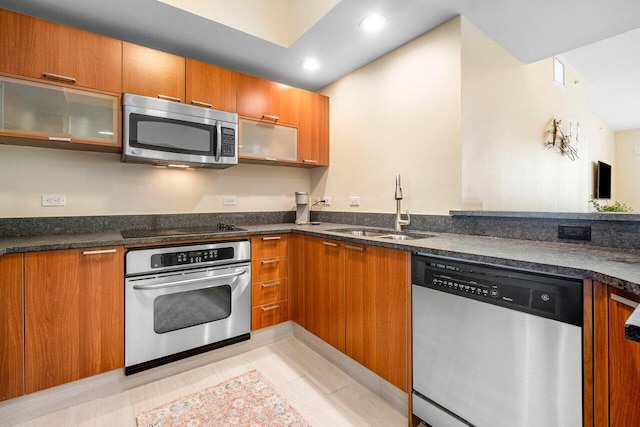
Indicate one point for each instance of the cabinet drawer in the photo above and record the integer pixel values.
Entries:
(269, 314)
(268, 268)
(269, 292)
(268, 246)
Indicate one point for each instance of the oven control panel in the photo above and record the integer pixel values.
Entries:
(191, 257)
(174, 258)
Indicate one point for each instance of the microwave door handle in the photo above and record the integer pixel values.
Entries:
(218, 141)
(188, 281)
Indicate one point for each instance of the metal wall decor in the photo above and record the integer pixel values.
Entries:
(566, 143)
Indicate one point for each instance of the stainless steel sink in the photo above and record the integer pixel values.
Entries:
(381, 234)
(365, 233)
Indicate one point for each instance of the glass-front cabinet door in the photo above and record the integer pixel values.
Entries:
(267, 141)
(53, 116)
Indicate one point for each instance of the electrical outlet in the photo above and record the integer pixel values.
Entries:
(354, 201)
(52, 200)
(327, 200)
(229, 200)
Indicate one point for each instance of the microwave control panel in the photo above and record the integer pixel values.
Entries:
(228, 143)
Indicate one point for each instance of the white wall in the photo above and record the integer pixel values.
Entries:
(99, 184)
(506, 108)
(627, 169)
(397, 115)
(454, 113)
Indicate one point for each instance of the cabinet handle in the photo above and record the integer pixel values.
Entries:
(59, 138)
(272, 238)
(313, 162)
(270, 285)
(270, 261)
(625, 301)
(53, 76)
(271, 159)
(101, 251)
(270, 117)
(273, 307)
(169, 98)
(201, 104)
(355, 248)
(330, 244)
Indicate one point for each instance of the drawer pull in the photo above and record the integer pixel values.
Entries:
(355, 248)
(201, 104)
(270, 117)
(271, 159)
(169, 98)
(270, 261)
(62, 78)
(271, 238)
(625, 301)
(101, 251)
(330, 244)
(270, 285)
(59, 138)
(313, 162)
(273, 307)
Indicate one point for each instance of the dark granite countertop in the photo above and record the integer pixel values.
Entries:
(616, 267)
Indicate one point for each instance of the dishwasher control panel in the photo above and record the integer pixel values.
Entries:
(551, 296)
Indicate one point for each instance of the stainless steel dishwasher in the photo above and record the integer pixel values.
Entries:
(494, 346)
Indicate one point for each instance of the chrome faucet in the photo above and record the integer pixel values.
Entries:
(399, 221)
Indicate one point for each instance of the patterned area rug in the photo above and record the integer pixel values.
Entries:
(247, 400)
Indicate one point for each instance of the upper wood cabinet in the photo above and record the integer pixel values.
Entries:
(269, 101)
(74, 315)
(210, 86)
(313, 132)
(44, 50)
(11, 327)
(152, 73)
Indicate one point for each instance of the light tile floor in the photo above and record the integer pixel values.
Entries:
(324, 395)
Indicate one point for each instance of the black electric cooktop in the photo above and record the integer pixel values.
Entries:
(162, 232)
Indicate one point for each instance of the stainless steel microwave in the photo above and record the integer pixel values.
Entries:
(173, 134)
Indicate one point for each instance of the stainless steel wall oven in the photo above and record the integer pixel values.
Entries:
(184, 300)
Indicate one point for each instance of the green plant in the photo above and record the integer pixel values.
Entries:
(616, 207)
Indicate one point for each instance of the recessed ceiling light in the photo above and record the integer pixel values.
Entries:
(310, 64)
(373, 23)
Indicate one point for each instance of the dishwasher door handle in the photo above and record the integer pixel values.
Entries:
(625, 301)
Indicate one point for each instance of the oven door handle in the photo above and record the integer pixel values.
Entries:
(188, 281)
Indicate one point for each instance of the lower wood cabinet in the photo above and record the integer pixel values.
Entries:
(354, 297)
(269, 292)
(616, 359)
(11, 327)
(324, 296)
(376, 287)
(74, 315)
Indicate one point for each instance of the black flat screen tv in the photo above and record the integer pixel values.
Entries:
(603, 181)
